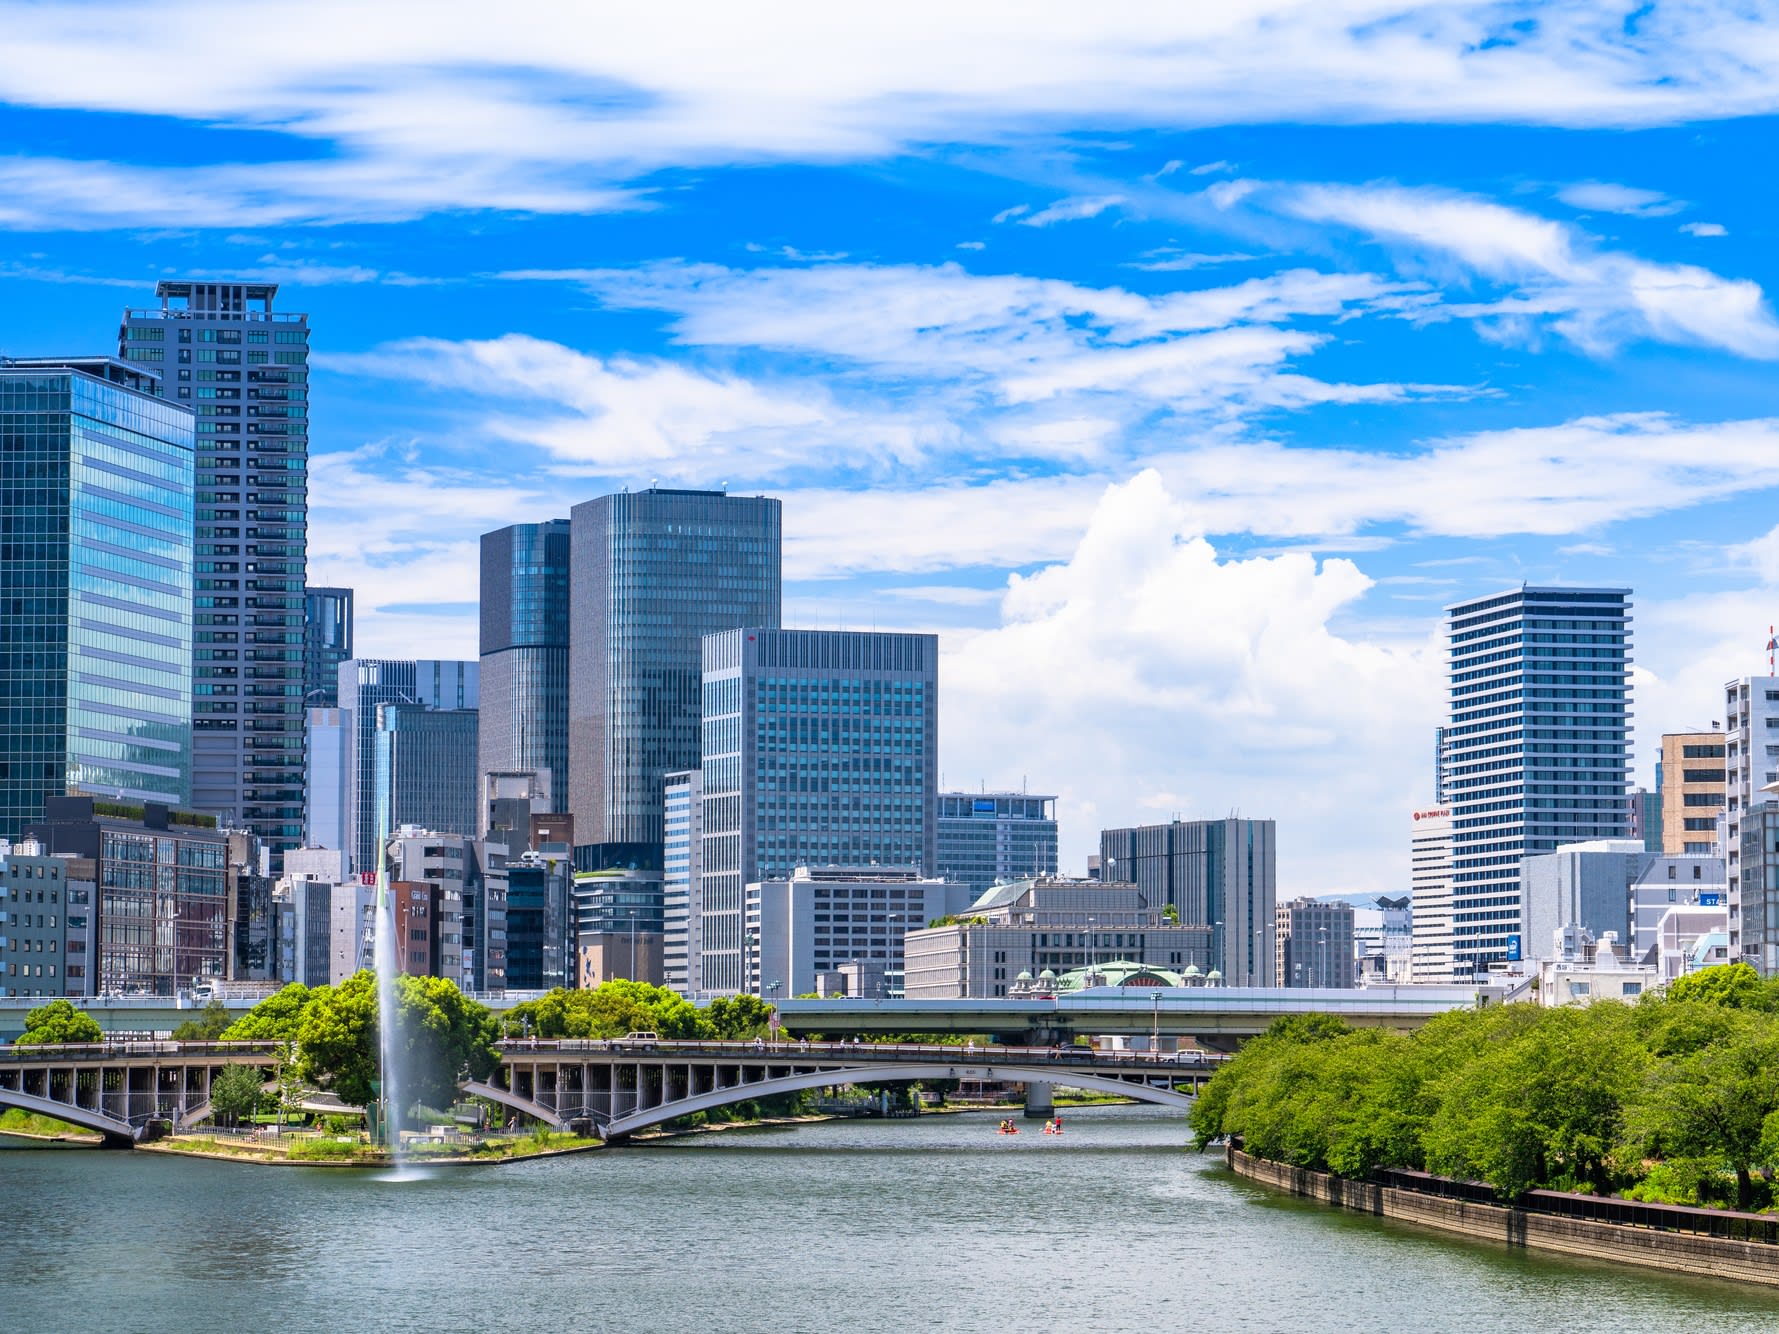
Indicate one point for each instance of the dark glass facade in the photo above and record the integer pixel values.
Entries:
(524, 653)
(96, 483)
(242, 369)
(1537, 752)
(426, 768)
(366, 683)
(820, 749)
(327, 642)
(653, 572)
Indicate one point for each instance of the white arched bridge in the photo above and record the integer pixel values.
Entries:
(123, 1090)
(617, 1088)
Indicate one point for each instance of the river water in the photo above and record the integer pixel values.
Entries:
(936, 1223)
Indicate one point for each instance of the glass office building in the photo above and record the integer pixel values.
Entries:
(987, 837)
(366, 683)
(653, 573)
(327, 642)
(96, 551)
(242, 369)
(524, 653)
(820, 749)
(1537, 752)
(682, 888)
(426, 768)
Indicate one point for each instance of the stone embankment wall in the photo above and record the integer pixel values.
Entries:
(1707, 1257)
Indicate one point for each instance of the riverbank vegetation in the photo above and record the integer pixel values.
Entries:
(1674, 1099)
(614, 1009)
(16, 1121)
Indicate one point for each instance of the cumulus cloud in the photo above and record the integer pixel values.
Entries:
(1704, 229)
(1596, 298)
(1147, 673)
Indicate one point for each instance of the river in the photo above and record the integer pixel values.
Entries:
(936, 1223)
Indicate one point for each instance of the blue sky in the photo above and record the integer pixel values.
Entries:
(1176, 367)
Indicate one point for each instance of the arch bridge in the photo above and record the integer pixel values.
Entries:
(122, 1089)
(617, 1088)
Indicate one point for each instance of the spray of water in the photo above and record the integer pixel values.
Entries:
(388, 1010)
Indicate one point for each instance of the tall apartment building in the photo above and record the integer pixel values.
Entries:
(1217, 873)
(327, 642)
(820, 749)
(985, 838)
(242, 368)
(1430, 893)
(426, 771)
(1313, 944)
(524, 653)
(682, 888)
(366, 683)
(1751, 759)
(1537, 751)
(1694, 787)
(653, 573)
(96, 504)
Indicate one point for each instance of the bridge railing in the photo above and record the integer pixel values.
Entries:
(106, 1051)
(924, 1052)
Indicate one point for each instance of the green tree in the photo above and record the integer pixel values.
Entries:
(59, 1022)
(730, 1018)
(235, 1092)
(207, 1027)
(1733, 984)
(1713, 1104)
(277, 1018)
(440, 1031)
(609, 1010)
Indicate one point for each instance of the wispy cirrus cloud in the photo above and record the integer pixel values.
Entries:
(1606, 197)
(552, 107)
(1555, 277)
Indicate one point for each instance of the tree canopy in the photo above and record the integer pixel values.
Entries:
(615, 1008)
(236, 1092)
(59, 1022)
(210, 1024)
(442, 1033)
(1674, 1097)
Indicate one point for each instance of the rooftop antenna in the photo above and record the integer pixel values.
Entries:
(1772, 644)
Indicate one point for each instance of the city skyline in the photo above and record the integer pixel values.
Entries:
(1302, 354)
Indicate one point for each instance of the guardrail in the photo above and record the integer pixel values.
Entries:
(87, 1051)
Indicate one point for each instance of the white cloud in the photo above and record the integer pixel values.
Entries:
(1704, 229)
(1605, 197)
(1147, 668)
(546, 105)
(1073, 209)
(1596, 298)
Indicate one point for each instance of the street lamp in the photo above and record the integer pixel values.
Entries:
(1155, 1025)
(633, 944)
(1322, 955)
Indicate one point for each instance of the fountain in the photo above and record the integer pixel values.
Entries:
(388, 1006)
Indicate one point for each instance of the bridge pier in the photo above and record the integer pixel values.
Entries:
(1040, 1100)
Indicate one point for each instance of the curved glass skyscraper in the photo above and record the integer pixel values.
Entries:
(524, 648)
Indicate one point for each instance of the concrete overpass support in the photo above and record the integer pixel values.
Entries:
(1040, 1100)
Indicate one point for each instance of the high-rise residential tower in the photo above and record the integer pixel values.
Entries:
(364, 684)
(653, 572)
(820, 749)
(1537, 750)
(1217, 873)
(327, 642)
(988, 837)
(242, 367)
(524, 653)
(96, 483)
